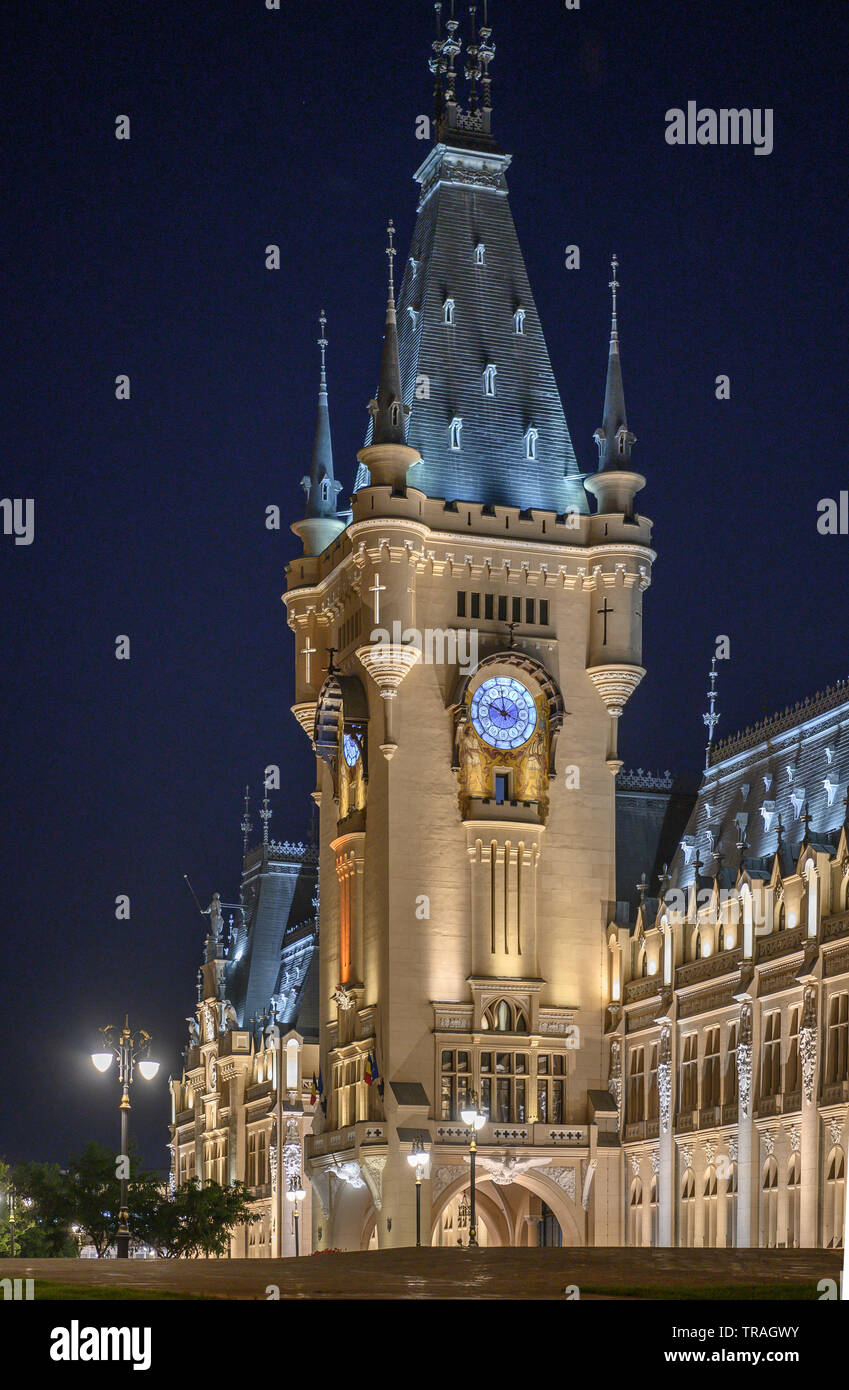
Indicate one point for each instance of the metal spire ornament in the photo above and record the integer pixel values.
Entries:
(613, 286)
(711, 719)
(265, 817)
(246, 822)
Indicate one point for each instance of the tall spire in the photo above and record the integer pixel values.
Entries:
(246, 822)
(615, 483)
(388, 411)
(321, 523)
(321, 487)
(614, 439)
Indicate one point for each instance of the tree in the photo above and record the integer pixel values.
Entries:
(87, 1195)
(198, 1220)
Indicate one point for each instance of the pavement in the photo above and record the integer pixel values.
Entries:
(409, 1273)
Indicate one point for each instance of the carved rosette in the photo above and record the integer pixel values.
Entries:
(616, 685)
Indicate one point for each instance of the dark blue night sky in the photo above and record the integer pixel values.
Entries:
(146, 257)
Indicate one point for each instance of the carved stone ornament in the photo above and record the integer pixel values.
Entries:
(835, 1128)
(444, 1177)
(686, 1156)
(808, 1044)
(733, 1148)
(614, 1084)
(795, 1136)
(744, 1061)
(655, 1161)
(710, 1151)
(564, 1177)
(372, 1170)
(664, 1081)
(344, 1000)
(769, 1142)
(635, 1165)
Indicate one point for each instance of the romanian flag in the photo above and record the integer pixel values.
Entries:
(313, 1090)
(321, 1092)
(367, 1072)
(375, 1069)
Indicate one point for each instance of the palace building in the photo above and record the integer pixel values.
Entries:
(244, 1104)
(641, 993)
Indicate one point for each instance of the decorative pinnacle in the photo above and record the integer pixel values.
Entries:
(246, 819)
(322, 343)
(641, 888)
(614, 286)
(806, 821)
(711, 719)
(391, 254)
(265, 817)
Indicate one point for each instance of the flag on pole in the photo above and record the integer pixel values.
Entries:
(367, 1071)
(313, 1090)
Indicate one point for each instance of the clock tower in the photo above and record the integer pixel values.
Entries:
(466, 639)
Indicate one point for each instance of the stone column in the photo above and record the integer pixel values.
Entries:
(666, 1199)
(747, 1140)
(809, 1035)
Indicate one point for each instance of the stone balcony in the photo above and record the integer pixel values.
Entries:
(708, 968)
(642, 989)
(497, 1135)
(359, 1135)
(782, 943)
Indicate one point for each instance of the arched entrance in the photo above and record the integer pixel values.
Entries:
(529, 1211)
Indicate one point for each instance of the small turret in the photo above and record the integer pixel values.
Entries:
(321, 524)
(386, 456)
(615, 484)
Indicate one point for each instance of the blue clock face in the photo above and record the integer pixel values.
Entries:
(351, 749)
(503, 712)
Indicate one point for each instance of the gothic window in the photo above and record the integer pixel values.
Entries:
(837, 1063)
(688, 1210)
(455, 1083)
(771, 1055)
(502, 608)
(448, 312)
(731, 1209)
(794, 1202)
(461, 604)
(709, 1203)
(487, 605)
(653, 1211)
(325, 490)
(551, 1088)
(530, 439)
(781, 917)
(455, 429)
(793, 1066)
(769, 1204)
(689, 1073)
(697, 946)
(835, 1195)
(519, 322)
(530, 611)
(636, 1084)
(489, 376)
(731, 1066)
(635, 1213)
(644, 964)
(720, 940)
(503, 1017)
(395, 413)
(710, 1074)
(476, 605)
(517, 610)
(504, 1086)
(480, 251)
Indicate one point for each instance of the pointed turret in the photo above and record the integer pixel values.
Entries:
(615, 484)
(320, 525)
(387, 457)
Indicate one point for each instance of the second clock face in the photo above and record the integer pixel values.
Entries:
(503, 712)
(351, 749)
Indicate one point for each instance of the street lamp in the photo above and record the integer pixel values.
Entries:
(416, 1159)
(296, 1194)
(474, 1118)
(127, 1053)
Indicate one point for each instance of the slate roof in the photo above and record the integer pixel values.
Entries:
(463, 207)
(278, 893)
(800, 758)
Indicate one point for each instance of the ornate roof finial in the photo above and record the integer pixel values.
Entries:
(613, 285)
(322, 343)
(391, 253)
(711, 719)
(265, 817)
(319, 484)
(806, 821)
(473, 67)
(486, 53)
(246, 821)
(663, 881)
(779, 834)
(641, 888)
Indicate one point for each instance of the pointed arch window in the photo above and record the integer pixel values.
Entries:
(454, 432)
(769, 1204)
(448, 312)
(530, 441)
(519, 322)
(395, 413)
(325, 490)
(490, 373)
(480, 252)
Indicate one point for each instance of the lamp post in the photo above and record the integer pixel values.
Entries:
(416, 1159)
(128, 1053)
(296, 1194)
(10, 1193)
(474, 1118)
